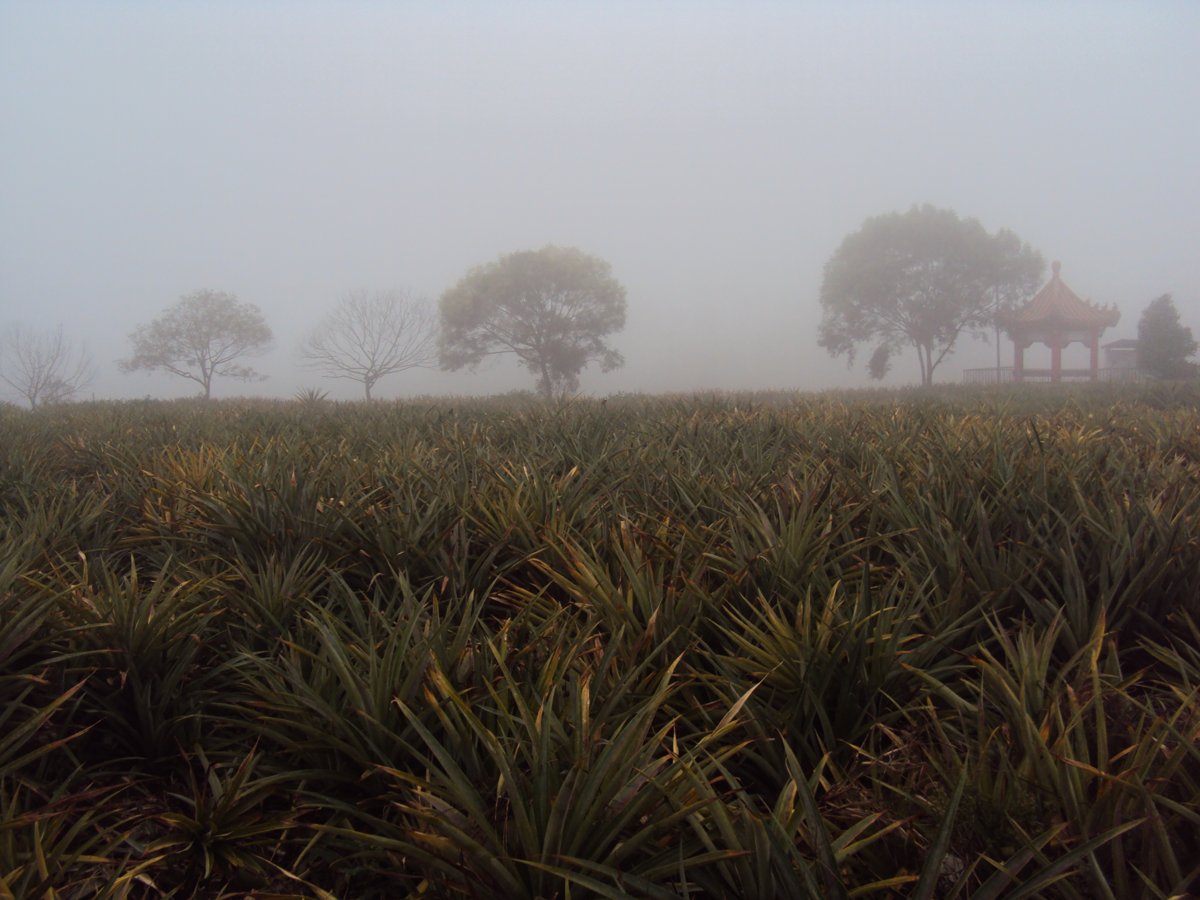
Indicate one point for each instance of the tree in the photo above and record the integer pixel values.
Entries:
(920, 278)
(368, 337)
(200, 337)
(42, 366)
(552, 308)
(1016, 278)
(1164, 344)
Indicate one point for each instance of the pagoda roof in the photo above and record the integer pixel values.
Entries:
(1057, 304)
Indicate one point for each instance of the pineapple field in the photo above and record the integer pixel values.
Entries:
(911, 644)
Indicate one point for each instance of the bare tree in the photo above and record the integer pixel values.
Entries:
(43, 366)
(203, 335)
(370, 336)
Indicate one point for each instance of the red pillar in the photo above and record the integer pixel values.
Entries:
(1055, 358)
(1095, 355)
(1018, 362)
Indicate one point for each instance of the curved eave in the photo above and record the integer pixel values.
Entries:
(1058, 308)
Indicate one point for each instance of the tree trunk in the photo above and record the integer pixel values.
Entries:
(925, 355)
(996, 323)
(367, 389)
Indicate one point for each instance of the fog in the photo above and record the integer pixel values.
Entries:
(715, 154)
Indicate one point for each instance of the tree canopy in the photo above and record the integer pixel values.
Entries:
(200, 337)
(552, 308)
(921, 278)
(370, 336)
(1164, 343)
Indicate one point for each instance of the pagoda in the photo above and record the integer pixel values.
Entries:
(1056, 316)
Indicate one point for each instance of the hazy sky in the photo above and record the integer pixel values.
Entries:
(714, 153)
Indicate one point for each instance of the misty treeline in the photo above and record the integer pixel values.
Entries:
(553, 309)
(917, 279)
(921, 279)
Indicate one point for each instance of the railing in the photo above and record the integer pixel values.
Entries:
(1007, 375)
(1002, 375)
(1123, 375)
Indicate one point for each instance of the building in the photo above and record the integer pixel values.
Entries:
(1056, 316)
(1121, 354)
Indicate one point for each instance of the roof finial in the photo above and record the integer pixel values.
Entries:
(1055, 267)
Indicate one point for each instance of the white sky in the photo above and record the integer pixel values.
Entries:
(714, 153)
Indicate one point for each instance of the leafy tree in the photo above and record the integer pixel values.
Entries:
(42, 366)
(202, 336)
(920, 278)
(1017, 275)
(552, 308)
(370, 336)
(1164, 343)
